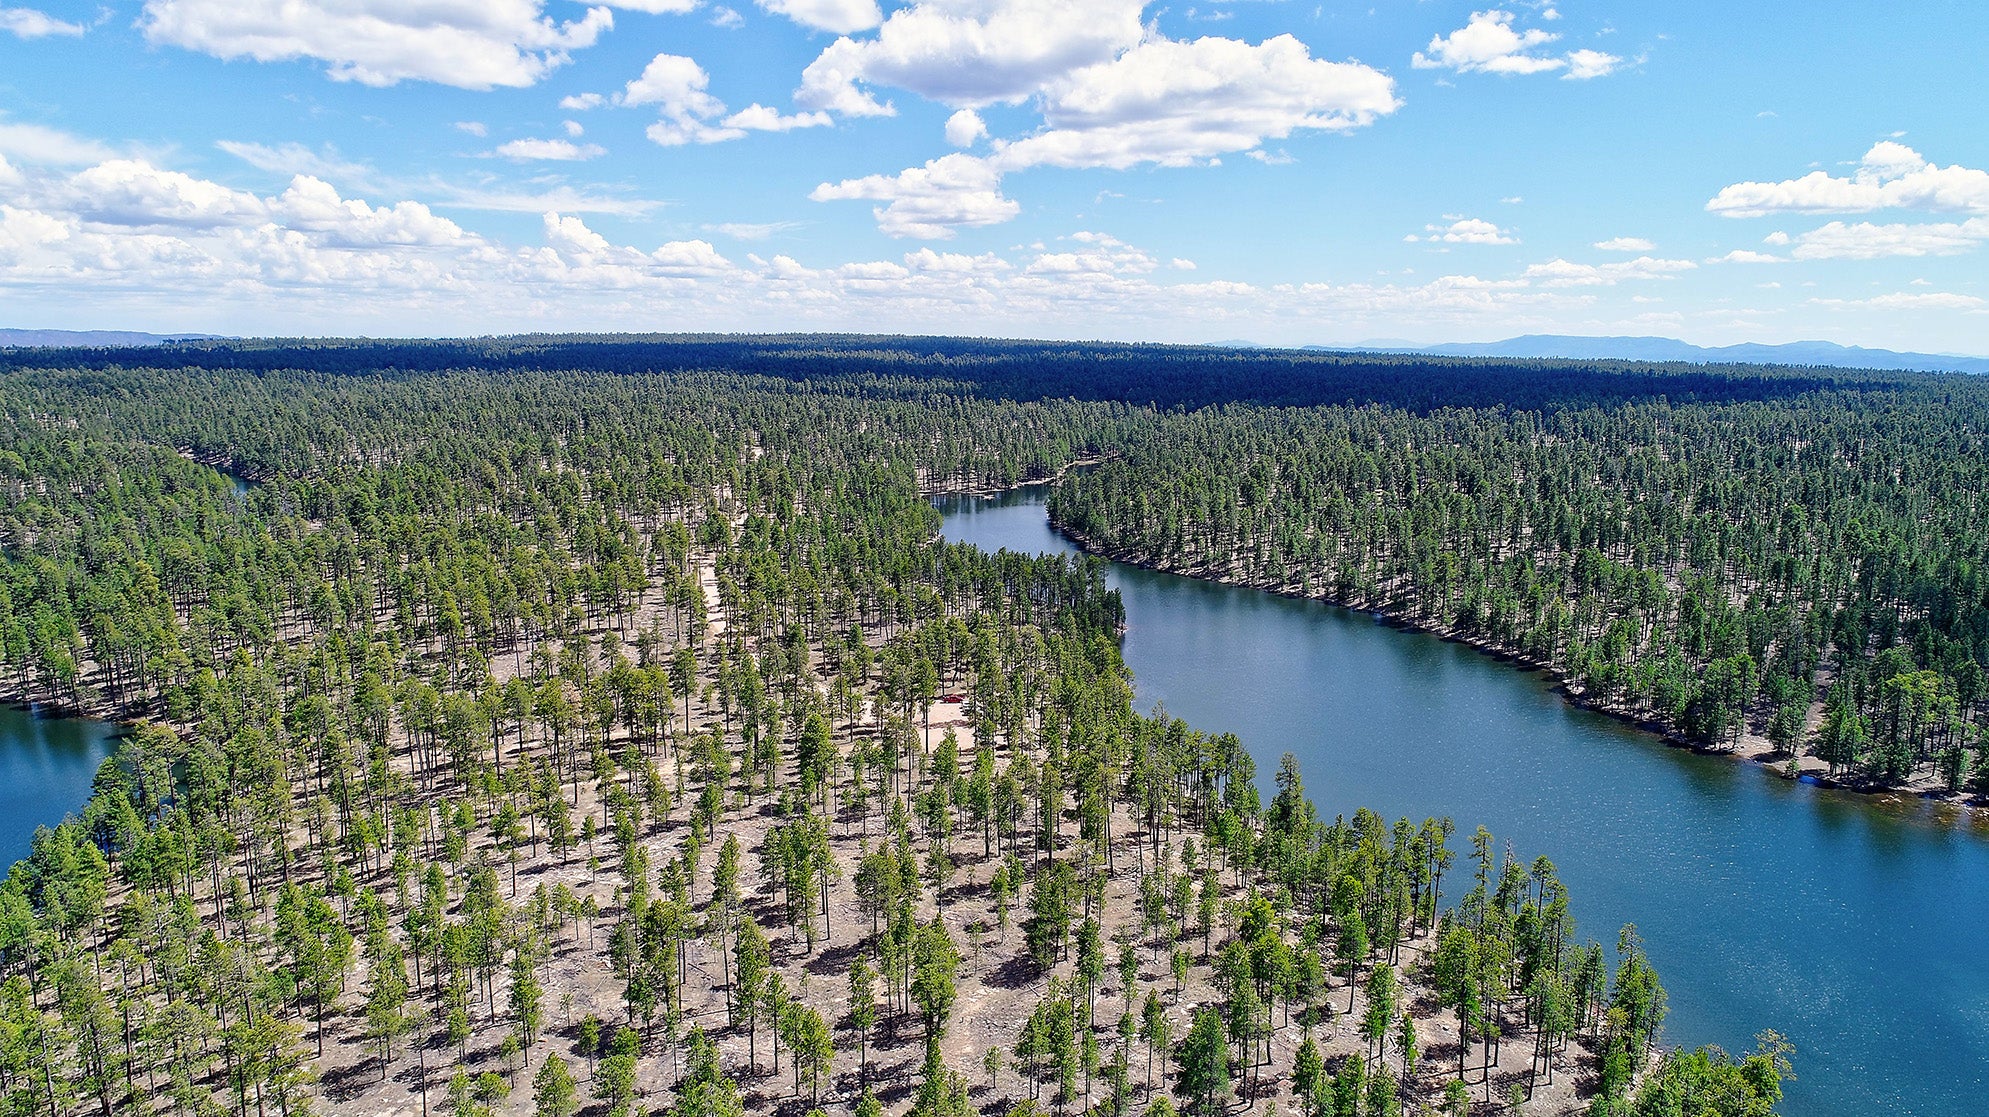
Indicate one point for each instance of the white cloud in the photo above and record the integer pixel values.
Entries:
(1176, 103)
(582, 256)
(133, 192)
(1489, 44)
(1866, 241)
(1625, 244)
(1098, 255)
(1586, 65)
(1164, 102)
(324, 261)
(1890, 176)
(759, 118)
(473, 128)
(581, 102)
(965, 128)
(931, 202)
(1746, 256)
(969, 53)
(654, 7)
(559, 151)
(726, 18)
(741, 230)
(1465, 230)
(33, 143)
(1563, 273)
(312, 205)
(677, 87)
(296, 159)
(479, 45)
(573, 128)
(840, 17)
(27, 23)
(1914, 300)
(24, 229)
(497, 199)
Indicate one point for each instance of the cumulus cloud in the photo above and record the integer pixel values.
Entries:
(33, 143)
(1464, 230)
(581, 102)
(27, 23)
(560, 151)
(1564, 273)
(1909, 300)
(840, 17)
(1166, 102)
(1585, 65)
(1747, 256)
(1489, 43)
(1625, 244)
(1180, 102)
(965, 128)
(314, 206)
(1096, 255)
(759, 118)
(25, 229)
(134, 192)
(930, 202)
(678, 87)
(484, 45)
(1890, 176)
(654, 7)
(969, 53)
(132, 233)
(1863, 240)
(584, 256)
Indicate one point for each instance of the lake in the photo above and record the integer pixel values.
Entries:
(1856, 925)
(46, 765)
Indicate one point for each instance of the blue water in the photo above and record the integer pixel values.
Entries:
(1858, 926)
(46, 765)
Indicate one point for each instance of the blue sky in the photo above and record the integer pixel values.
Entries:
(1283, 171)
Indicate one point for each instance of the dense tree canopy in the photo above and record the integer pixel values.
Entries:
(530, 711)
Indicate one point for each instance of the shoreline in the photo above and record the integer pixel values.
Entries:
(1752, 749)
(56, 707)
(984, 491)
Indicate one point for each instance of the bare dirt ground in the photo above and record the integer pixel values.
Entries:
(998, 986)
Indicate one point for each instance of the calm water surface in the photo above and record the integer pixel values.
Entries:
(1858, 926)
(46, 765)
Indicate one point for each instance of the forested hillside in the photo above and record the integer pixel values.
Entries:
(528, 736)
(1719, 568)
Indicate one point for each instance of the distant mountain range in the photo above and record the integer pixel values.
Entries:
(1799, 353)
(1819, 353)
(90, 339)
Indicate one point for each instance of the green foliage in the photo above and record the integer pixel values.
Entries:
(467, 619)
(1202, 1066)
